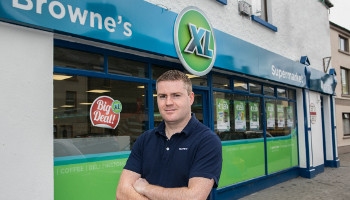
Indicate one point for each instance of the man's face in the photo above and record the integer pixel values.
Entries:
(174, 103)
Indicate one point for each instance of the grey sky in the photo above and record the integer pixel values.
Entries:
(340, 13)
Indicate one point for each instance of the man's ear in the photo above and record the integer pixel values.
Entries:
(192, 98)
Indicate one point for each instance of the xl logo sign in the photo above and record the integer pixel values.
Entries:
(194, 41)
(200, 42)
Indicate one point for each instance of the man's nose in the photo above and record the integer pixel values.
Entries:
(169, 100)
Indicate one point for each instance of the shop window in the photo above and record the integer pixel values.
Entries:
(343, 44)
(291, 94)
(221, 82)
(64, 57)
(197, 80)
(280, 117)
(240, 85)
(75, 135)
(255, 88)
(71, 102)
(269, 91)
(281, 93)
(346, 124)
(237, 117)
(157, 71)
(127, 67)
(345, 81)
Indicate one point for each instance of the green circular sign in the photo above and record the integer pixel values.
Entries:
(117, 106)
(195, 41)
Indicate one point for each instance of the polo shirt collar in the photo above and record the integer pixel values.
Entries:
(187, 130)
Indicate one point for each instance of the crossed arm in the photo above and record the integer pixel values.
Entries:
(132, 186)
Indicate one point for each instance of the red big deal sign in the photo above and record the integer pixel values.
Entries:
(105, 112)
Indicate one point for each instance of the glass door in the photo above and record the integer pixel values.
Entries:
(200, 106)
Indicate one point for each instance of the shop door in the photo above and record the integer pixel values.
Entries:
(200, 106)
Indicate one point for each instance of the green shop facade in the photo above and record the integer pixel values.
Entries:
(263, 106)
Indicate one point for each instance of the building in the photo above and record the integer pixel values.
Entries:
(64, 65)
(341, 63)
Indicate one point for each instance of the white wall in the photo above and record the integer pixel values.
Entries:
(301, 129)
(26, 139)
(327, 127)
(303, 26)
(316, 131)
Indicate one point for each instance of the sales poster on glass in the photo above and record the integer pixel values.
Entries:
(280, 116)
(290, 120)
(223, 114)
(240, 121)
(254, 116)
(270, 115)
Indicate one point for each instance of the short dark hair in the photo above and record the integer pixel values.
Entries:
(176, 75)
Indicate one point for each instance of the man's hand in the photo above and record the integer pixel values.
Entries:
(198, 189)
(140, 185)
(125, 189)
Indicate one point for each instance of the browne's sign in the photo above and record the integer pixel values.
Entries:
(105, 112)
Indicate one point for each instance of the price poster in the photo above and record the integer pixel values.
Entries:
(223, 114)
(240, 117)
(280, 116)
(290, 118)
(254, 116)
(270, 115)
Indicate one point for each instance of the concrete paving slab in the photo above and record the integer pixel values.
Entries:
(332, 184)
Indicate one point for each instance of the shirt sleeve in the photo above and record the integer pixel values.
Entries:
(208, 159)
(134, 162)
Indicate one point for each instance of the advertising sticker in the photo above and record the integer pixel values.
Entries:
(105, 112)
(270, 115)
(223, 114)
(280, 116)
(254, 116)
(240, 118)
(313, 113)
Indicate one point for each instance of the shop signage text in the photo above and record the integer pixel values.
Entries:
(282, 74)
(58, 10)
(194, 41)
(105, 112)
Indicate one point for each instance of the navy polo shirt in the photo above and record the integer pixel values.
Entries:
(195, 152)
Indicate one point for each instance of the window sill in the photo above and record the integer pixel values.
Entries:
(222, 1)
(345, 137)
(345, 95)
(344, 52)
(264, 23)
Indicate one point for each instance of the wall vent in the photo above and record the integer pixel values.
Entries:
(244, 8)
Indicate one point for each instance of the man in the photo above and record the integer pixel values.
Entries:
(181, 158)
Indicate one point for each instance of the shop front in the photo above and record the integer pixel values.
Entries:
(263, 106)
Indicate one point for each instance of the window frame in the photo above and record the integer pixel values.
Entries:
(347, 74)
(343, 47)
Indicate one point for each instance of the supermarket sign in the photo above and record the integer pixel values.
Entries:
(105, 112)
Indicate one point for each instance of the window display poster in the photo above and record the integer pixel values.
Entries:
(223, 114)
(270, 115)
(240, 121)
(280, 115)
(290, 120)
(254, 116)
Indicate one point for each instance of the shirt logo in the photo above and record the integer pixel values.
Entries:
(183, 149)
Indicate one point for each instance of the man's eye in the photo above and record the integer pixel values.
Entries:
(162, 96)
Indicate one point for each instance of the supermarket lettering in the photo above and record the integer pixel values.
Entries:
(281, 74)
(58, 10)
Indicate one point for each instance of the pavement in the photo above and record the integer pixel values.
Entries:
(332, 184)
